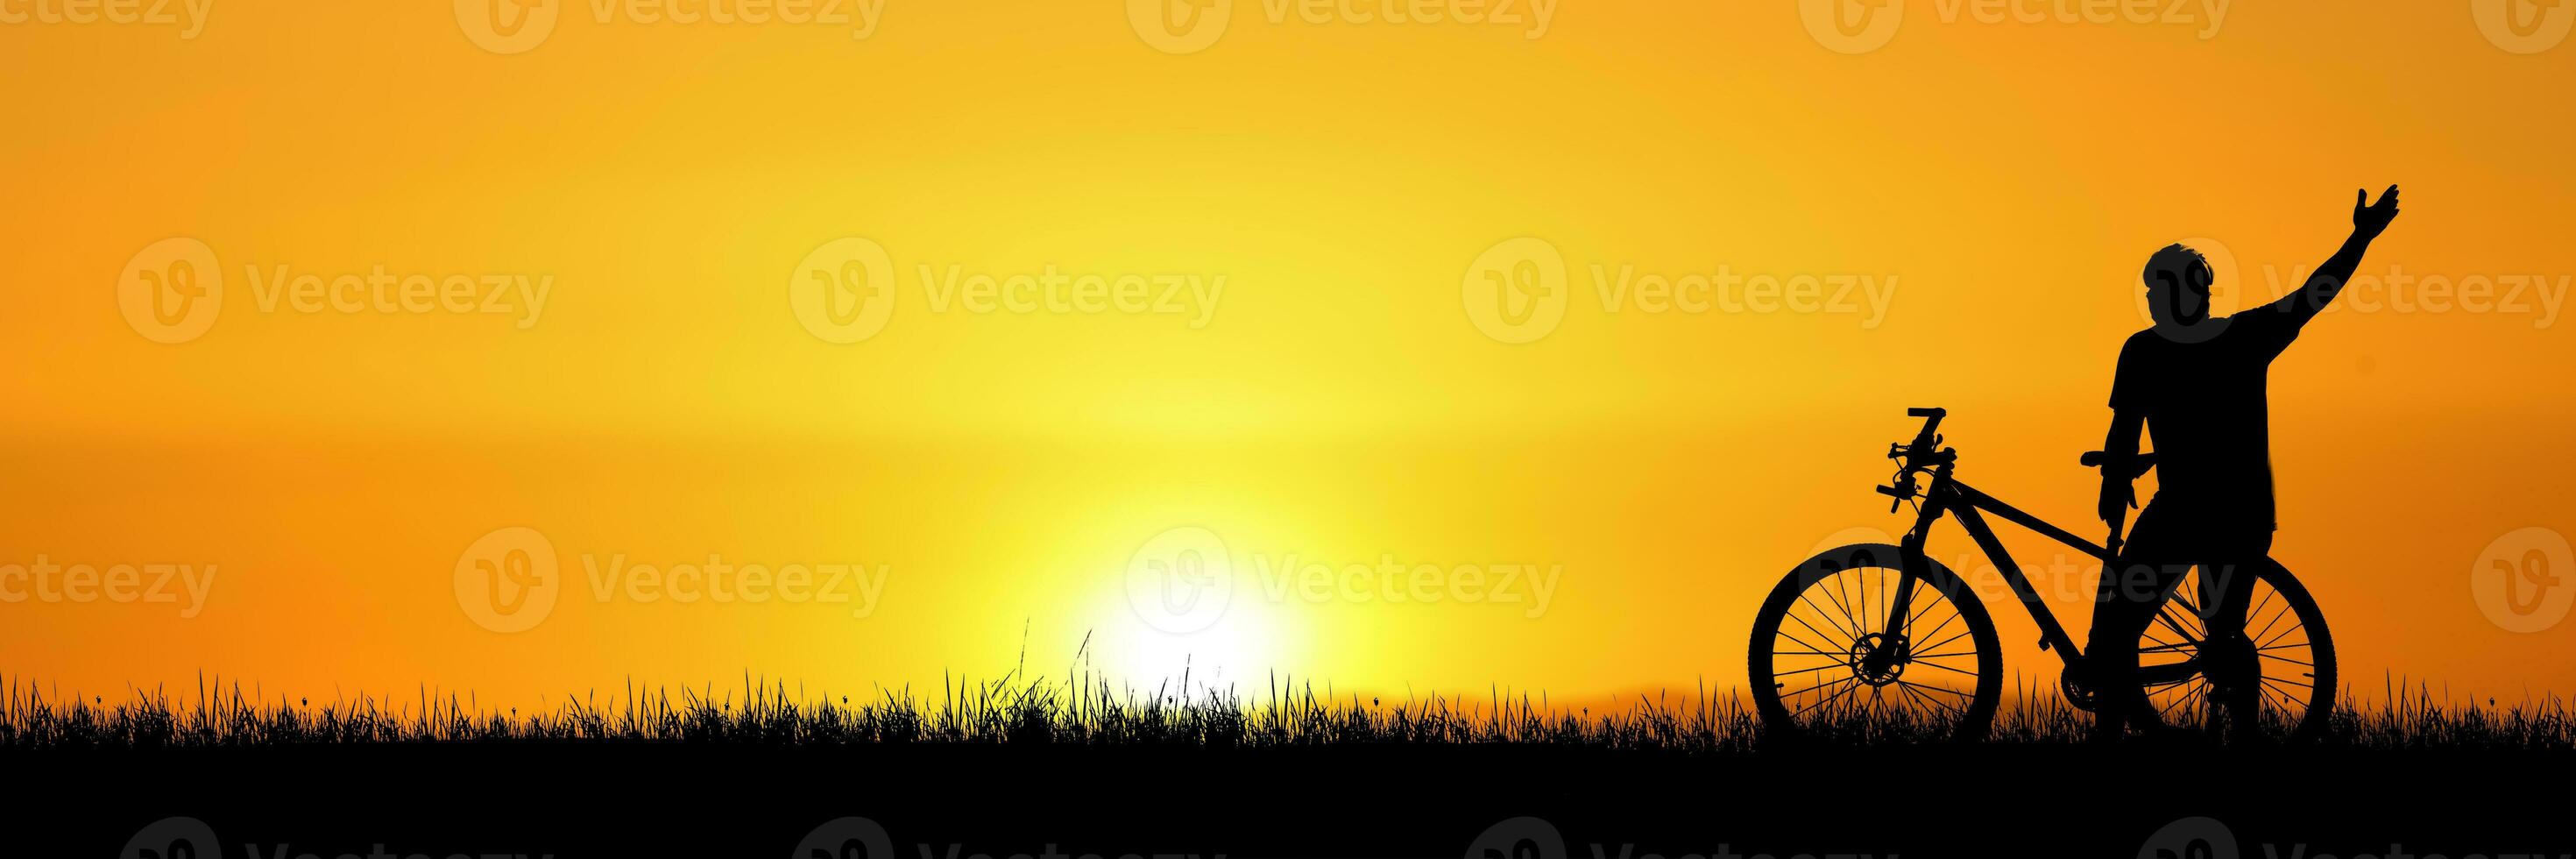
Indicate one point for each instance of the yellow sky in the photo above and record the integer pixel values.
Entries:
(1300, 211)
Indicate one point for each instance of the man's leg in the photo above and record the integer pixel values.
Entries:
(2130, 591)
(2236, 669)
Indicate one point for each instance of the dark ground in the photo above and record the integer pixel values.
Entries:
(624, 800)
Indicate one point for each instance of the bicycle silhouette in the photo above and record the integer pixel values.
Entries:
(1872, 636)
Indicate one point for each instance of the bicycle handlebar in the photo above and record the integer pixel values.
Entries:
(1930, 435)
(1922, 454)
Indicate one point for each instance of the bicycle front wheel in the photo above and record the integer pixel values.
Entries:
(1829, 656)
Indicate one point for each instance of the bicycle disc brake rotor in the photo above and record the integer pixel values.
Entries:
(1879, 659)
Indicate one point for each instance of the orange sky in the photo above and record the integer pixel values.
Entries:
(1262, 252)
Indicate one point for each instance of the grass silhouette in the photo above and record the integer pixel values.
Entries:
(1087, 710)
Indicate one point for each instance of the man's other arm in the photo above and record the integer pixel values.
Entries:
(2118, 448)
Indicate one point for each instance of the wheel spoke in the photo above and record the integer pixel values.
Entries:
(1854, 684)
(2163, 614)
(1820, 612)
(1935, 702)
(2295, 627)
(1841, 598)
(2257, 610)
(2291, 699)
(2276, 618)
(1962, 634)
(1810, 628)
(2187, 695)
(1939, 689)
(1822, 685)
(1945, 624)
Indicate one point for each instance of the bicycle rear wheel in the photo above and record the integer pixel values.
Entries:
(1827, 658)
(2278, 677)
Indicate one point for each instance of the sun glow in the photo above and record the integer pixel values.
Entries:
(1238, 649)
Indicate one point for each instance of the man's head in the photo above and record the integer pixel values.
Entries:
(2178, 280)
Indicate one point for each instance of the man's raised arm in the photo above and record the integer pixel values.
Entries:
(2368, 220)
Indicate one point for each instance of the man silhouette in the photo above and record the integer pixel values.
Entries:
(2198, 385)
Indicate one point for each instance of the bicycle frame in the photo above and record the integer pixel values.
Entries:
(1964, 503)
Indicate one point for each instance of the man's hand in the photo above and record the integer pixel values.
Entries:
(2368, 218)
(2117, 497)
